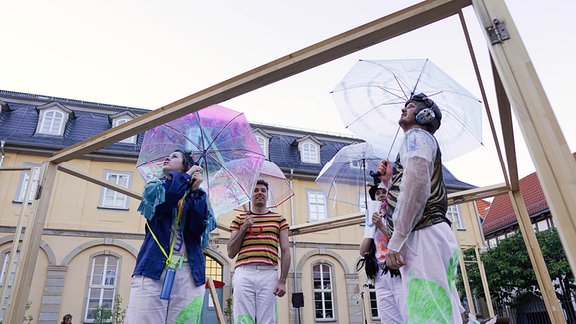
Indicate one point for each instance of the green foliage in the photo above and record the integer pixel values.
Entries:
(102, 314)
(27, 318)
(115, 315)
(227, 310)
(118, 313)
(509, 271)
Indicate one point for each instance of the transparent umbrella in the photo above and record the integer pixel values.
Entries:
(371, 95)
(221, 141)
(346, 176)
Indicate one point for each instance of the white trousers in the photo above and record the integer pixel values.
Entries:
(429, 276)
(390, 298)
(253, 298)
(184, 306)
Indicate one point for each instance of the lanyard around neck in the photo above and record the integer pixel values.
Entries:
(180, 207)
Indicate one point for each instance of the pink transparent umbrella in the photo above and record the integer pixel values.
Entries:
(221, 141)
(279, 189)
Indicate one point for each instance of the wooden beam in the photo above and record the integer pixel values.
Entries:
(375, 32)
(484, 280)
(85, 176)
(30, 246)
(555, 165)
(15, 169)
(505, 112)
(537, 259)
(461, 197)
(335, 222)
(216, 302)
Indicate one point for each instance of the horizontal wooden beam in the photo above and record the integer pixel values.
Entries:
(364, 36)
(89, 178)
(461, 197)
(336, 222)
(16, 169)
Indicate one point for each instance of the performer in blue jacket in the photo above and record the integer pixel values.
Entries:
(169, 279)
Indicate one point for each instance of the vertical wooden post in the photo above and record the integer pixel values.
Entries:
(484, 283)
(555, 165)
(17, 234)
(538, 263)
(216, 301)
(30, 246)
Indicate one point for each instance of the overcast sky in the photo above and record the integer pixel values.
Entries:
(147, 54)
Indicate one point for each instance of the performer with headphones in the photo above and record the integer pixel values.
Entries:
(422, 244)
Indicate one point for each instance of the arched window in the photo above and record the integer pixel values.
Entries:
(323, 291)
(52, 122)
(103, 272)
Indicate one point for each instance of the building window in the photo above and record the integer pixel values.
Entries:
(120, 121)
(323, 291)
(317, 207)
(263, 142)
(102, 285)
(111, 198)
(5, 266)
(51, 122)
(213, 268)
(454, 216)
(23, 184)
(309, 152)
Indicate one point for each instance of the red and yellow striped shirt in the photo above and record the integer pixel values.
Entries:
(260, 243)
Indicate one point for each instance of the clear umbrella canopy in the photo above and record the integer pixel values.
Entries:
(221, 141)
(372, 94)
(346, 176)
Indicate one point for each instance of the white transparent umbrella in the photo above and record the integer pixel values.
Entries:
(371, 96)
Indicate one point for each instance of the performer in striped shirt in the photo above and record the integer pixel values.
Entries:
(255, 239)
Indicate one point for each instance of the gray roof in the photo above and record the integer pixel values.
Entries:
(19, 118)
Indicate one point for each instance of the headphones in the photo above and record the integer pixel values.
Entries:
(429, 115)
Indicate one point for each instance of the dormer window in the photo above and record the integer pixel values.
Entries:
(309, 152)
(309, 148)
(264, 141)
(53, 118)
(122, 118)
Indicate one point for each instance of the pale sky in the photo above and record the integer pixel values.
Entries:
(147, 54)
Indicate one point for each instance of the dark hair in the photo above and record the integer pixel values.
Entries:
(262, 182)
(66, 318)
(187, 160)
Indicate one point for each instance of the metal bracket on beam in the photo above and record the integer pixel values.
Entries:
(497, 32)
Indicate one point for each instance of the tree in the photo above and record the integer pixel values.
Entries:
(509, 271)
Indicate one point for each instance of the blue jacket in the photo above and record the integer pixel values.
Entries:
(151, 260)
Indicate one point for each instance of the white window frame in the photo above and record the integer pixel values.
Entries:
(52, 122)
(309, 152)
(116, 196)
(454, 215)
(326, 287)
(23, 183)
(101, 283)
(264, 144)
(317, 203)
(120, 121)
(10, 280)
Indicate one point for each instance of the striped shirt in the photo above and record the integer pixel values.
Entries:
(260, 243)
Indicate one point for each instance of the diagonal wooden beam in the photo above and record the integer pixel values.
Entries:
(505, 112)
(375, 32)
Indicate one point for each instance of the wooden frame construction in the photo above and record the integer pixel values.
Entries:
(520, 87)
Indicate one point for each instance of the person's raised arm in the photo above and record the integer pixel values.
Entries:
(236, 237)
(414, 192)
